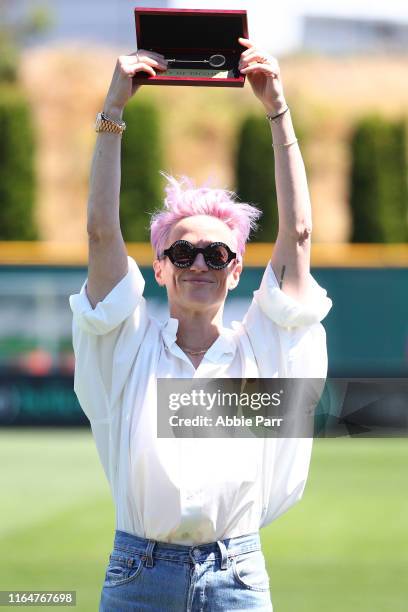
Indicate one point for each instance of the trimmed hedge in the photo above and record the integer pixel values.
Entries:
(255, 173)
(17, 169)
(8, 63)
(142, 158)
(379, 181)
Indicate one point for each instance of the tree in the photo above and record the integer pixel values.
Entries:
(17, 176)
(16, 27)
(142, 159)
(255, 173)
(378, 181)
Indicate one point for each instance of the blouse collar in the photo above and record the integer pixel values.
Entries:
(224, 344)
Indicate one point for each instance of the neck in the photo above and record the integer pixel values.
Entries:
(197, 330)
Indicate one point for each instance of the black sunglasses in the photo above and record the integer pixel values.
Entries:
(182, 254)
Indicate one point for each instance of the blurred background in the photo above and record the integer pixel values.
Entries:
(344, 71)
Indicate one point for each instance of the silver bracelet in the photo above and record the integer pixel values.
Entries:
(285, 144)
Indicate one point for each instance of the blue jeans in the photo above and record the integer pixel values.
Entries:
(149, 575)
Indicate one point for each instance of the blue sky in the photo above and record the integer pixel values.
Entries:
(278, 24)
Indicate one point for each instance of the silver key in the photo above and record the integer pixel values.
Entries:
(216, 61)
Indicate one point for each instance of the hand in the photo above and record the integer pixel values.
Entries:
(264, 76)
(122, 87)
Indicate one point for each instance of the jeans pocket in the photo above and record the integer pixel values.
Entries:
(122, 568)
(249, 570)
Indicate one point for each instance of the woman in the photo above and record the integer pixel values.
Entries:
(188, 511)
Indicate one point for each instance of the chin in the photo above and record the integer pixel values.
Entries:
(200, 301)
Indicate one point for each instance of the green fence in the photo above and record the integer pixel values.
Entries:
(367, 330)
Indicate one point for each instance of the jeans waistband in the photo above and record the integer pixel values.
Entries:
(220, 549)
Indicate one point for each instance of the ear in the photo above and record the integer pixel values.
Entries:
(158, 273)
(235, 275)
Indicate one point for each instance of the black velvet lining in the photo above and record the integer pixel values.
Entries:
(181, 33)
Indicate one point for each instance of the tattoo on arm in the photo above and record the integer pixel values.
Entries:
(281, 278)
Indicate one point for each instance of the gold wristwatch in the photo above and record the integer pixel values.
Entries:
(104, 124)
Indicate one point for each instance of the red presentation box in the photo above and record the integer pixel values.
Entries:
(191, 36)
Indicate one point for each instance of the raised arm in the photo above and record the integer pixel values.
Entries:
(107, 252)
(291, 254)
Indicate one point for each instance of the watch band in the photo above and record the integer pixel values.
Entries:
(105, 124)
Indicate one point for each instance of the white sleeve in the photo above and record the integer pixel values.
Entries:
(277, 322)
(286, 311)
(105, 342)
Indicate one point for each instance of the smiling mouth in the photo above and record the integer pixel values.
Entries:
(198, 282)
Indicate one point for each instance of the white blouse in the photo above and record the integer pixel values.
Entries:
(192, 490)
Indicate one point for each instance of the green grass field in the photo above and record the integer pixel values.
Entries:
(343, 547)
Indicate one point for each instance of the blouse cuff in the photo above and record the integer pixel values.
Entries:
(120, 302)
(285, 310)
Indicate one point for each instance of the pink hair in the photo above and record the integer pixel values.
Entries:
(240, 217)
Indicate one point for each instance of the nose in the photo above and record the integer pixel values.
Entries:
(199, 263)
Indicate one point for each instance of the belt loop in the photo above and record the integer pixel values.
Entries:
(224, 555)
(149, 553)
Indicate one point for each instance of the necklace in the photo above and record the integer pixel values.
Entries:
(190, 352)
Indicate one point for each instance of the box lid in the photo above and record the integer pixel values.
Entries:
(190, 29)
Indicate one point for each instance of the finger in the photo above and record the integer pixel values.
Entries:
(259, 68)
(147, 60)
(141, 67)
(145, 67)
(257, 56)
(253, 52)
(249, 52)
(253, 56)
(143, 55)
(147, 52)
(245, 41)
